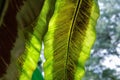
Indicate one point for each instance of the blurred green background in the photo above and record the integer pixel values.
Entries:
(104, 63)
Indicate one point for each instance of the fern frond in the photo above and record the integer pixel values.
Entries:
(70, 36)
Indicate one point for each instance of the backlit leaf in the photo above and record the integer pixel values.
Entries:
(20, 38)
(70, 36)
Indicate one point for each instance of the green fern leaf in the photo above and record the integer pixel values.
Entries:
(37, 36)
(20, 38)
(70, 36)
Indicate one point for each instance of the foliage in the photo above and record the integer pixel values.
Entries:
(66, 27)
(107, 43)
(37, 74)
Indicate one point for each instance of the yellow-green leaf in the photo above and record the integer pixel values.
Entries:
(34, 46)
(70, 36)
(20, 38)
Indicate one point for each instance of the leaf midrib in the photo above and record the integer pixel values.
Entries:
(71, 32)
